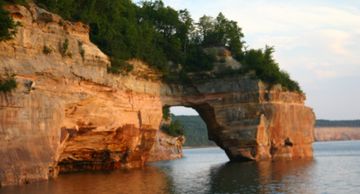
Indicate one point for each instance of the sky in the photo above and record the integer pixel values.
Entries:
(316, 41)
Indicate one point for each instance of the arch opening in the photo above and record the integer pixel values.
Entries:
(238, 144)
(194, 127)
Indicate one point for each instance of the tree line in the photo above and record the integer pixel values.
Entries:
(163, 37)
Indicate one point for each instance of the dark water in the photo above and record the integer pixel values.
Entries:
(335, 169)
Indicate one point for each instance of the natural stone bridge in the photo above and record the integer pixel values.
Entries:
(69, 114)
(247, 121)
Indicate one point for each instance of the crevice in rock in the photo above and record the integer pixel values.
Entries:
(288, 142)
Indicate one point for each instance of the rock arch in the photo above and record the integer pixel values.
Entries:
(76, 116)
(248, 121)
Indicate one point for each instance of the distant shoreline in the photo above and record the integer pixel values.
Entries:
(196, 147)
(324, 141)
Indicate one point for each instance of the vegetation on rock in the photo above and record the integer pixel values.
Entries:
(196, 135)
(119, 66)
(63, 47)
(166, 113)
(174, 129)
(7, 24)
(7, 82)
(81, 50)
(47, 50)
(164, 38)
(265, 67)
(195, 131)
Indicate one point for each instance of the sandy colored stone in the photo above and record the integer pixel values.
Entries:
(166, 147)
(337, 133)
(69, 114)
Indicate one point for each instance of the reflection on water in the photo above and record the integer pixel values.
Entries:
(335, 169)
(147, 180)
(209, 173)
(262, 177)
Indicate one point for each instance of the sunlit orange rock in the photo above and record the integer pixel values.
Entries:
(166, 147)
(69, 114)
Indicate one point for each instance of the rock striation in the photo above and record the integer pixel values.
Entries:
(166, 148)
(337, 133)
(69, 114)
(248, 121)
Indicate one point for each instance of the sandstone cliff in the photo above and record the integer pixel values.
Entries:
(69, 114)
(337, 133)
(166, 148)
(248, 121)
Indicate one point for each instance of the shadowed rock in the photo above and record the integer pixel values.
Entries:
(79, 117)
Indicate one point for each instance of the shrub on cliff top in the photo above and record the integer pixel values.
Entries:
(266, 69)
(161, 36)
(120, 67)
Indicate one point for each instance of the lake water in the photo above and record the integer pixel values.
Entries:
(335, 169)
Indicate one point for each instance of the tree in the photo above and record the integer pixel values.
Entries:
(174, 128)
(186, 28)
(162, 36)
(206, 28)
(7, 25)
(266, 68)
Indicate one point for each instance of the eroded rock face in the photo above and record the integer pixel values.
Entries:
(249, 122)
(69, 114)
(166, 148)
(337, 133)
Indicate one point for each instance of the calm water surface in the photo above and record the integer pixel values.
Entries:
(335, 169)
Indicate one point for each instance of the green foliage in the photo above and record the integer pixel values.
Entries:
(166, 113)
(198, 60)
(120, 67)
(161, 36)
(266, 69)
(8, 82)
(7, 24)
(21, 2)
(339, 123)
(152, 32)
(195, 131)
(47, 50)
(221, 32)
(175, 129)
(64, 46)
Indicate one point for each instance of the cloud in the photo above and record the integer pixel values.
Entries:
(317, 42)
(339, 40)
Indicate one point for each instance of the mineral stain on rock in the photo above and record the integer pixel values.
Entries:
(69, 114)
